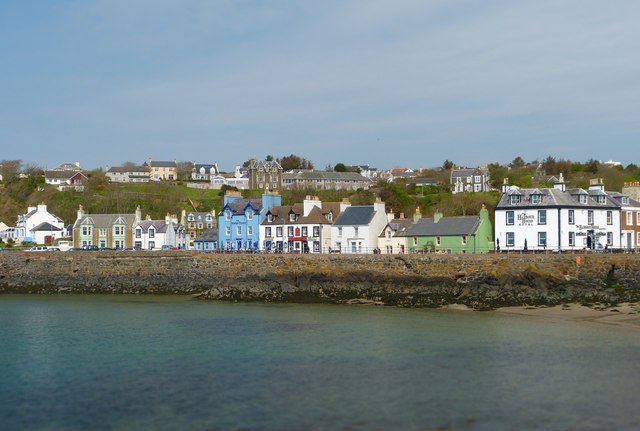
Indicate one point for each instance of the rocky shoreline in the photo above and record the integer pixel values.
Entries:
(481, 282)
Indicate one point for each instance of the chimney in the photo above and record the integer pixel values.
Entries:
(138, 214)
(596, 184)
(505, 185)
(560, 185)
(378, 206)
(148, 217)
(437, 216)
(401, 216)
(42, 207)
(390, 216)
(80, 212)
(308, 204)
(183, 217)
(418, 215)
(344, 204)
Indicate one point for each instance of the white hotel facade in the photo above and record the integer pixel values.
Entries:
(557, 218)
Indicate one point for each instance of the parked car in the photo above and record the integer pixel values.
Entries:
(89, 247)
(168, 247)
(134, 249)
(53, 249)
(39, 248)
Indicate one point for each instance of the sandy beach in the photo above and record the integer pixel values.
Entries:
(624, 315)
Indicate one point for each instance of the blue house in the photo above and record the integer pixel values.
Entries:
(240, 218)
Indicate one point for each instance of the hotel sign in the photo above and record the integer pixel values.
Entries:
(525, 219)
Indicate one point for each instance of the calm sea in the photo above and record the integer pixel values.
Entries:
(171, 363)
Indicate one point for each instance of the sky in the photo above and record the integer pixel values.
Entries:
(402, 83)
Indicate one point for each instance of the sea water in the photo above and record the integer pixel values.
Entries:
(172, 363)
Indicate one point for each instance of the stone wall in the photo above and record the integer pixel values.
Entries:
(479, 281)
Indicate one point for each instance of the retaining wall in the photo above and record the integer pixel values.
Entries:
(479, 281)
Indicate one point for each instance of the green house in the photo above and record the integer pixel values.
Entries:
(440, 234)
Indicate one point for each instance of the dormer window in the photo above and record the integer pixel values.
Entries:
(583, 199)
(191, 217)
(227, 215)
(249, 215)
(330, 216)
(270, 218)
(152, 233)
(514, 199)
(536, 199)
(292, 217)
(624, 200)
(602, 199)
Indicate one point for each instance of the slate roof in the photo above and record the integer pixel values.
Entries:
(45, 227)
(105, 220)
(446, 226)
(325, 176)
(265, 164)
(124, 169)
(63, 175)
(467, 172)
(316, 215)
(159, 225)
(238, 206)
(161, 164)
(208, 235)
(356, 215)
(199, 216)
(552, 197)
(207, 168)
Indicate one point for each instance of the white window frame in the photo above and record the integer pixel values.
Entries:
(510, 239)
(510, 218)
(542, 217)
(572, 217)
(542, 239)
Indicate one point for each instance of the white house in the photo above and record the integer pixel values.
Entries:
(557, 218)
(299, 228)
(464, 180)
(128, 174)
(153, 234)
(392, 240)
(49, 226)
(358, 227)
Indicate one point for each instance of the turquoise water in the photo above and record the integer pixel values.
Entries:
(169, 363)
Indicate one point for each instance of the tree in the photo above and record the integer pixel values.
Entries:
(184, 170)
(591, 166)
(10, 170)
(518, 162)
(447, 165)
(340, 167)
(294, 162)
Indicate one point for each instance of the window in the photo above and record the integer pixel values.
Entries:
(572, 217)
(629, 216)
(590, 217)
(438, 240)
(86, 230)
(118, 230)
(200, 225)
(305, 231)
(339, 231)
(477, 179)
(152, 245)
(388, 233)
(511, 239)
(415, 240)
(638, 218)
(102, 232)
(249, 230)
(292, 217)
(542, 239)
(227, 231)
(137, 244)
(514, 199)
(267, 232)
(191, 217)
(227, 215)
(464, 240)
(610, 238)
(601, 199)
(542, 216)
(510, 218)
(270, 218)
(572, 239)
(316, 231)
(609, 217)
(583, 199)
(536, 199)
(279, 232)
(138, 233)
(355, 231)
(238, 230)
(249, 215)
(316, 246)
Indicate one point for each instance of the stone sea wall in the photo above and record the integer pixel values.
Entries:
(479, 281)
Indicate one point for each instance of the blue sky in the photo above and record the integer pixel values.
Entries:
(386, 83)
